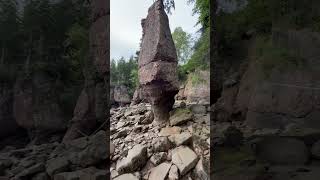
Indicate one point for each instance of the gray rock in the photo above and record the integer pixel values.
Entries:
(137, 157)
(41, 176)
(173, 173)
(158, 158)
(198, 109)
(170, 131)
(181, 139)
(32, 170)
(96, 150)
(200, 171)
(161, 144)
(160, 172)
(184, 158)
(57, 165)
(126, 177)
(180, 116)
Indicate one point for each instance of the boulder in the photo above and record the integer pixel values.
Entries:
(200, 171)
(158, 62)
(167, 131)
(161, 144)
(181, 139)
(158, 158)
(57, 165)
(180, 116)
(198, 109)
(126, 177)
(173, 173)
(184, 158)
(137, 157)
(160, 172)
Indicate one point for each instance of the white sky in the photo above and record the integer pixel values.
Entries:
(126, 30)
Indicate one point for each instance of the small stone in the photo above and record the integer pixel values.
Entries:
(160, 172)
(173, 173)
(170, 131)
(184, 158)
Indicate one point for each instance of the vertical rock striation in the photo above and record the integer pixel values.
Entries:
(158, 62)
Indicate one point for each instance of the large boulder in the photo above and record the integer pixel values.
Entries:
(137, 157)
(158, 62)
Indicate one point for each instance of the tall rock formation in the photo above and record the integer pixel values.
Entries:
(92, 105)
(158, 62)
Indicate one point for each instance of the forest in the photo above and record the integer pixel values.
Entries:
(43, 36)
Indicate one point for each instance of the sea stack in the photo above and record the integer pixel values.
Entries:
(158, 63)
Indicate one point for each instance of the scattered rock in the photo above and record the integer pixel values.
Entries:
(158, 158)
(136, 158)
(184, 158)
(200, 171)
(162, 144)
(126, 177)
(173, 173)
(181, 139)
(170, 131)
(57, 165)
(180, 116)
(160, 172)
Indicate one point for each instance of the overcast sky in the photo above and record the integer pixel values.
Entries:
(126, 30)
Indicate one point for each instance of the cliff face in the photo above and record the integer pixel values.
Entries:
(93, 101)
(287, 94)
